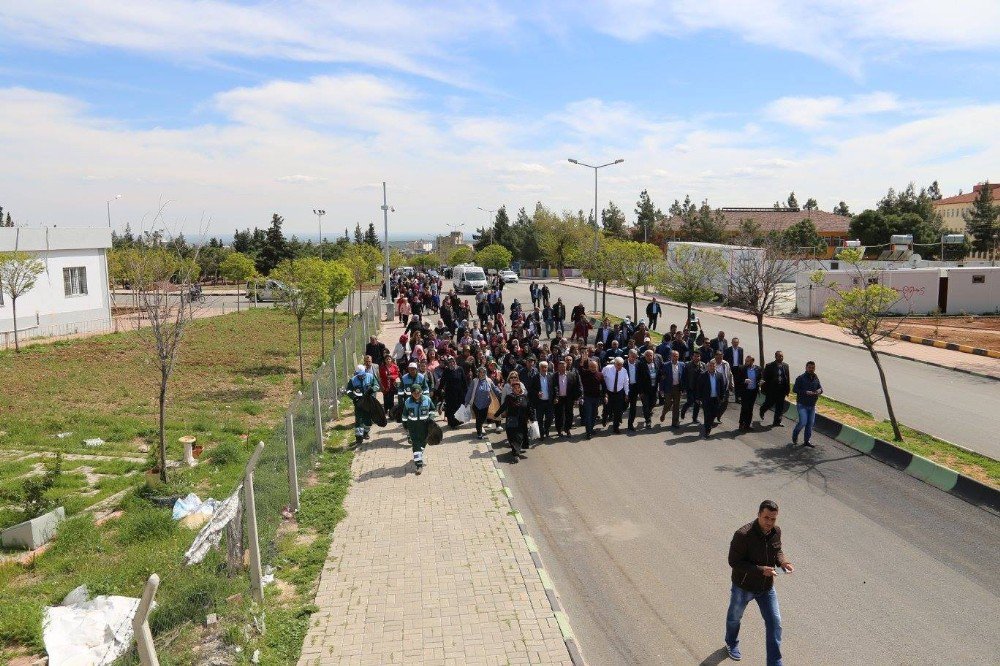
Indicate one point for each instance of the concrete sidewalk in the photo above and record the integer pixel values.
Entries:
(815, 328)
(432, 569)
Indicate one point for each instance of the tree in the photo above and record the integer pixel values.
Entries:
(793, 203)
(494, 256)
(646, 216)
(613, 222)
(462, 255)
(161, 279)
(239, 268)
(906, 212)
(19, 272)
(864, 312)
(934, 191)
(371, 237)
(802, 235)
(558, 236)
(274, 249)
(750, 231)
(690, 274)
(359, 236)
(636, 263)
(499, 233)
(396, 259)
(756, 276)
(841, 209)
(339, 284)
(811, 204)
(363, 261)
(982, 222)
(702, 223)
(306, 292)
(426, 261)
(597, 264)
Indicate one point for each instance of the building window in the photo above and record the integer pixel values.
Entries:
(75, 281)
(978, 279)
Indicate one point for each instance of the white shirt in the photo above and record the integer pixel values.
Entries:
(631, 371)
(737, 356)
(543, 384)
(615, 377)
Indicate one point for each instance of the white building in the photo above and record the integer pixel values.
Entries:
(71, 296)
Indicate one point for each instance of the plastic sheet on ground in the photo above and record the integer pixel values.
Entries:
(211, 534)
(185, 506)
(88, 633)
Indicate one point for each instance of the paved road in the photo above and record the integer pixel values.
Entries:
(635, 531)
(955, 406)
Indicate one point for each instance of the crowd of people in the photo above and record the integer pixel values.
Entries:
(512, 368)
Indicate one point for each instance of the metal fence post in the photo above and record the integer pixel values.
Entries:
(318, 415)
(140, 624)
(256, 584)
(293, 469)
(336, 388)
(347, 362)
(364, 326)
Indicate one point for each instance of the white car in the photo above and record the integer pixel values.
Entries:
(508, 276)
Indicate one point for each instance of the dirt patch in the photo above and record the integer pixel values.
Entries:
(982, 332)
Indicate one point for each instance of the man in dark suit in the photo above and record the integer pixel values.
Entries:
(653, 311)
(540, 394)
(559, 316)
(710, 392)
(735, 356)
(776, 386)
(672, 385)
(604, 333)
(720, 343)
(750, 379)
(566, 390)
(647, 374)
(632, 367)
(684, 347)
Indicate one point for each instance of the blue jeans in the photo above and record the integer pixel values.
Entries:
(807, 419)
(768, 604)
(590, 412)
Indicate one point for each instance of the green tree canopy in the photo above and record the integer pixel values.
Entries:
(19, 272)
(238, 268)
(982, 222)
(274, 249)
(306, 292)
(690, 274)
(494, 256)
(636, 264)
(613, 222)
(558, 236)
(802, 235)
(462, 255)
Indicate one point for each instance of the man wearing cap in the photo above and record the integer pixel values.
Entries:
(418, 411)
(361, 384)
(412, 377)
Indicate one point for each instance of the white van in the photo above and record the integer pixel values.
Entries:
(468, 278)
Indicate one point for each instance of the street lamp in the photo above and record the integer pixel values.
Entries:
(319, 217)
(597, 225)
(389, 305)
(115, 198)
(489, 220)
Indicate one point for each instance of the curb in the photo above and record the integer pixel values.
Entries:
(808, 335)
(941, 344)
(954, 483)
(550, 591)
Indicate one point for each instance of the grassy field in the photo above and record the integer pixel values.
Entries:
(235, 377)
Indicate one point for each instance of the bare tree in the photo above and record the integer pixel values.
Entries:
(865, 311)
(690, 274)
(19, 272)
(162, 281)
(756, 275)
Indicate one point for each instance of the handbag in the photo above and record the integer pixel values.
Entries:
(533, 430)
(463, 414)
(434, 433)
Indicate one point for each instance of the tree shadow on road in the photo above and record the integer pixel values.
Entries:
(715, 658)
(798, 461)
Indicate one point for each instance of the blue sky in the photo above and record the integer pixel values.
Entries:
(218, 113)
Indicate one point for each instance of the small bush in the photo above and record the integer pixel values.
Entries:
(226, 453)
(144, 524)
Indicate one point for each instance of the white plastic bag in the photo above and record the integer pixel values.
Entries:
(463, 414)
(533, 431)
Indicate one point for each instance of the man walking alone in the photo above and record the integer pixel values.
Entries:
(807, 392)
(756, 557)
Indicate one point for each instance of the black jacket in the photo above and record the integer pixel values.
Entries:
(642, 379)
(534, 386)
(750, 550)
(517, 410)
(770, 378)
(574, 389)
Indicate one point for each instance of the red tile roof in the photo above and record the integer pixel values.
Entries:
(779, 220)
(968, 197)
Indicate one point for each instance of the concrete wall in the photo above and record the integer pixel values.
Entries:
(918, 287)
(47, 310)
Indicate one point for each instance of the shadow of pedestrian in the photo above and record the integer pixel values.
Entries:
(715, 658)
(384, 472)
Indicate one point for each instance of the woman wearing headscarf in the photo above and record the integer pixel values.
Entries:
(399, 351)
(388, 375)
(519, 412)
(480, 395)
(454, 387)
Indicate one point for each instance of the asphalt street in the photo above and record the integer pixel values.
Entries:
(635, 529)
(956, 406)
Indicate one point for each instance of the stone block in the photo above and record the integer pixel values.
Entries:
(34, 533)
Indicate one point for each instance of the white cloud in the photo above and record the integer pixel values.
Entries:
(297, 179)
(819, 112)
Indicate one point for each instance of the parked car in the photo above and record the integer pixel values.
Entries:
(508, 276)
(266, 291)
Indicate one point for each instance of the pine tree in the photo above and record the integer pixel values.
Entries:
(613, 221)
(371, 237)
(359, 236)
(934, 191)
(274, 249)
(841, 209)
(793, 203)
(982, 222)
(646, 214)
(811, 204)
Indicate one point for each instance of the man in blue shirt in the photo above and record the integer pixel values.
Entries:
(807, 391)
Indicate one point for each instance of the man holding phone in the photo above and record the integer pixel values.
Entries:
(756, 557)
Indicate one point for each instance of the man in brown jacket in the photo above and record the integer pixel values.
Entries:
(756, 558)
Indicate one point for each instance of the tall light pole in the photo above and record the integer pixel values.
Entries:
(489, 220)
(597, 224)
(389, 305)
(115, 198)
(319, 213)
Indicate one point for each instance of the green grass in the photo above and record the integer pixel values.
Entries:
(979, 467)
(236, 375)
